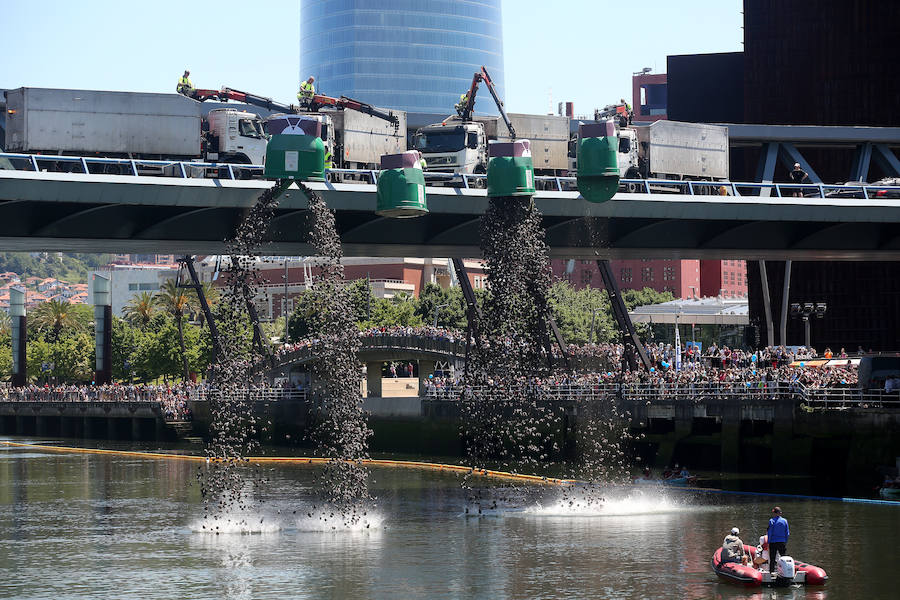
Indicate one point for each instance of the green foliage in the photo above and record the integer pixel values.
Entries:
(576, 311)
(71, 358)
(452, 311)
(397, 311)
(72, 268)
(55, 318)
(635, 298)
(140, 309)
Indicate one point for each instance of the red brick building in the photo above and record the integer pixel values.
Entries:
(388, 277)
(683, 278)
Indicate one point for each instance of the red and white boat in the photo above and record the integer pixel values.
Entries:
(789, 571)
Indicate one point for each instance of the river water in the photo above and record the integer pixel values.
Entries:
(107, 526)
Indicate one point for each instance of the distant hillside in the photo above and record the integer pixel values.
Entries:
(71, 268)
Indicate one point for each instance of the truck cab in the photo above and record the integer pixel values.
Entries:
(235, 136)
(453, 147)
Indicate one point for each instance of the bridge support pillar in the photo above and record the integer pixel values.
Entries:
(787, 455)
(373, 379)
(40, 425)
(112, 432)
(160, 429)
(135, 429)
(20, 425)
(67, 427)
(426, 369)
(731, 437)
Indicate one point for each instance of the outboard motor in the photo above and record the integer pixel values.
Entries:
(786, 570)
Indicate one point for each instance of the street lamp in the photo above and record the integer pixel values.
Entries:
(437, 309)
(591, 334)
(804, 310)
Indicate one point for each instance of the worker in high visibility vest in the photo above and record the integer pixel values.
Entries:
(307, 90)
(185, 86)
(463, 101)
(628, 114)
(329, 161)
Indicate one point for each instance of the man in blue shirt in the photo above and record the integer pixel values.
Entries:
(778, 533)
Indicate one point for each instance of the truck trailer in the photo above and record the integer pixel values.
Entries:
(674, 150)
(129, 125)
(176, 127)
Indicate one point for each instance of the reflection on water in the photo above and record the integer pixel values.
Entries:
(104, 526)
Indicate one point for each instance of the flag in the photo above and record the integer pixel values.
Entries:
(677, 349)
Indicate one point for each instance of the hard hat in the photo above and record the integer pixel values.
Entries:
(796, 165)
(735, 531)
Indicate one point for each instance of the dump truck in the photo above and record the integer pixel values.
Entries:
(455, 146)
(674, 150)
(176, 127)
(355, 133)
(459, 144)
(129, 125)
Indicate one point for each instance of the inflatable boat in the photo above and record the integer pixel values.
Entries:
(789, 572)
(890, 493)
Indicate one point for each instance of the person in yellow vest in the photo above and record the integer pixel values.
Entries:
(185, 86)
(329, 160)
(463, 101)
(307, 91)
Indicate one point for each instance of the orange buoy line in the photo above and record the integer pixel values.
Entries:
(305, 460)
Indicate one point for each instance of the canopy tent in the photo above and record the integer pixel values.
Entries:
(702, 311)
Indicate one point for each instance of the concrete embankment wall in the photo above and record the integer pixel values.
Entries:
(845, 447)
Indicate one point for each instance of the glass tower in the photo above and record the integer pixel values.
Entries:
(412, 55)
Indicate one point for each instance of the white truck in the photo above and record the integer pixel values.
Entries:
(458, 146)
(129, 125)
(175, 127)
(674, 150)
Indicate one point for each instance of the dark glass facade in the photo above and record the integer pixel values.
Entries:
(412, 55)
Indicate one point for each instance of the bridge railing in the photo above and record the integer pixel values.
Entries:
(253, 394)
(842, 398)
(86, 395)
(745, 392)
(198, 169)
(413, 343)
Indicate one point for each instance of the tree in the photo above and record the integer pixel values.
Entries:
(176, 302)
(54, 317)
(452, 313)
(581, 314)
(69, 359)
(397, 311)
(212, 295)
(139, 309)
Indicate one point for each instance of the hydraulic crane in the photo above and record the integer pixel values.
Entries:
(465, 110)
(318, 100)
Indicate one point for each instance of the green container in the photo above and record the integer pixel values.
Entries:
(300, 157)
(401, 193)
(598, 168)
(510, 176)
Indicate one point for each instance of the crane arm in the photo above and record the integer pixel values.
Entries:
(469, 108)
(350, 103)
(498, 102)
(226, 94)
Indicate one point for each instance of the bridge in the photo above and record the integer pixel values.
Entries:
(89, 211)
(428, 352)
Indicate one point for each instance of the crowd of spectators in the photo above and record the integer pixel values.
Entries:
(173, 399)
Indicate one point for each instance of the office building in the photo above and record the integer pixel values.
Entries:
(412, 55)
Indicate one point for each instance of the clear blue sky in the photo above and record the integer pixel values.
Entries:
(582, 50)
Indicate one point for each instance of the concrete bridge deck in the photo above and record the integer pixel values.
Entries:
(91, 213)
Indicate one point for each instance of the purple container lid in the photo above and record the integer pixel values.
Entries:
(294, 125)
(591, 130)
(514, 149)
(404, 160)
